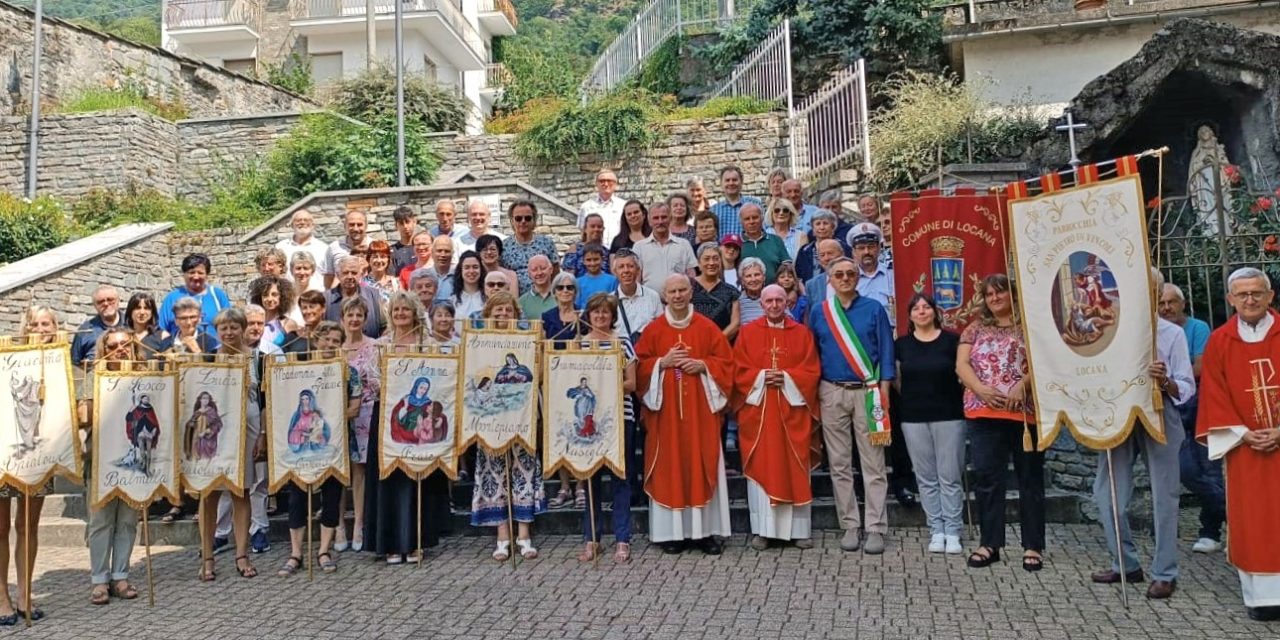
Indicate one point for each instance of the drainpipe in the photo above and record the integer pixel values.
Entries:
(400, 177)
(33, 147)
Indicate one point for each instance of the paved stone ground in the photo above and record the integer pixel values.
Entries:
(781, 593)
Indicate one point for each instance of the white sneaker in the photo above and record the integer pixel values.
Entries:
(937, 543)
(1206, 545)
(953, 545)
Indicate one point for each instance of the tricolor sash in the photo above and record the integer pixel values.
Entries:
(853, 351)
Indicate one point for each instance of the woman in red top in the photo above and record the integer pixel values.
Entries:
(992, 364)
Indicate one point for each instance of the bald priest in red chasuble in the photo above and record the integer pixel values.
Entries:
(684, 380)
(1239, 413)
(776, 392)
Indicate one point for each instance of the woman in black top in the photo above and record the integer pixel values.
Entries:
(932, 410)
(634, 227)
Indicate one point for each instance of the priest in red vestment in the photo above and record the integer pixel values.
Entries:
(776, 390)
(684, 380)
(1239, 412)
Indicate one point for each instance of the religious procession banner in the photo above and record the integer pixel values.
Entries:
(39, 438)
(943, 246)
(1084, 292)
(419, 422)
(306, 422)
(583, 404)
(213, 399)
(499, 389)
(135, 447)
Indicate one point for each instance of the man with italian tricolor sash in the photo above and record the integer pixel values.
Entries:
(855, 346)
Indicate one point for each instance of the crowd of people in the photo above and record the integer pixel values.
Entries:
(764, 325)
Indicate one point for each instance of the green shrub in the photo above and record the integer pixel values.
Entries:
(660, 73)
(293, 73)
(371, 96)
(105, 208)
(27, 228)
(102, 99)
(722, 107)
(327, 153)
(520, 120)
(611, 126)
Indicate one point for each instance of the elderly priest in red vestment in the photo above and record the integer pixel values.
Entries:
(685, 378)
(1239, 412)
(776, 388)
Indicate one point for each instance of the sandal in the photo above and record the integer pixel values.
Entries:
(979, 559)
(290, 567)
(100, 595)
(36, 614)
(622, 555)
(580, 498)
(207, 574)
(589, 552)
(1032, 561)
(526, 549)
(9, 620)
(174, 515)
(129, 592)
(326, 562)
(248, 571)
(562, 498)
(503, 551)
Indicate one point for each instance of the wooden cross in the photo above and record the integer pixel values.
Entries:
(1070, 127)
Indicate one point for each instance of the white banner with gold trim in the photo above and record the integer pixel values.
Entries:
(212, 409)
(418, 428)
(499, 389)
(1084, 290)
(38, 439)
(583, 402)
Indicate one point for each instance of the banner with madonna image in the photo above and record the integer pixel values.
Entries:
(37, 405)
(498, 392)
(943, 246)
(306, 422)
(419, 422)
(1083, 275)
(583, 404)
(213, 399)
(135, 447)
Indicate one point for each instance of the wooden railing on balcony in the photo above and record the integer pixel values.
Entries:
(496, 76)
(196, 14)
(448, 10)
(500, 6)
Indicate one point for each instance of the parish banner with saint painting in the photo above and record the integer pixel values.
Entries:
(943, 246)
(135, 449)
(418, 428)
(212, 408)
(1083, 275)
(499, 388)
(305, 422)
(37, 403)
(582, 387)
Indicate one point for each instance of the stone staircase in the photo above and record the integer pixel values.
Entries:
(62, 520)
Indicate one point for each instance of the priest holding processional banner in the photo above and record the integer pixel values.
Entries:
(1103, 364)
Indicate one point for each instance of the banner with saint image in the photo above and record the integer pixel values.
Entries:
(212, 405)
(1083, 276)
(135, 447)
(499, 388)
(418, 428)
(306, 422)
(39, 438)
(583, 403)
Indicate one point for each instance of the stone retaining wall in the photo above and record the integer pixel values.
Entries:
(209, 147)
(77, 57)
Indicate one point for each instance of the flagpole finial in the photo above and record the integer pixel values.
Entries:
(1070, 127)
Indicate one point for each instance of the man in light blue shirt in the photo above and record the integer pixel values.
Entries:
(728, 209)
(1171, 373)
(195, 278)
(875, 280)
(1199, 474)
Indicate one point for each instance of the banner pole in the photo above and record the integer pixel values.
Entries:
(146, 543)
(511, 518)
(422, 552)
(311, 563)
(204, 559)
(964, 481)
(595, 535)
(1115, 519)
(25, 578)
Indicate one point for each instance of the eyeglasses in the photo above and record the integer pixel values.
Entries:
(112, 346)
(842, 275)
(522, 218)
(495, 284)
(106, 300)
(1251, 295)
(566, 287)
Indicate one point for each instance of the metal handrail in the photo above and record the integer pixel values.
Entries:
(448, 10)
(195, 14)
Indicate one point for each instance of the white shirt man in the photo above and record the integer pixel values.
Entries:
(477, 225)
(304, 240)
(662, 254)
(639, 304)
(606, 203)
(357, 224)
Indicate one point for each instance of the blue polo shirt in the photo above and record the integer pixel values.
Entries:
(870, 323)
(727, 213)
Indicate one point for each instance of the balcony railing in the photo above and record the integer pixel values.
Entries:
(957, 14)
(500, 6)
(496, 76)
(448, 11)
(198, 14)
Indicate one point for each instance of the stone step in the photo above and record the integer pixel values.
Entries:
(62, 531)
